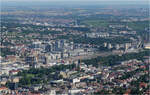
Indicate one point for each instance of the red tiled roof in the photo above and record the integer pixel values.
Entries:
(3, 88)
(13, 71)
(127, 92)
(142, 84)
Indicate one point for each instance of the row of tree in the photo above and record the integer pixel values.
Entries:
(116, 59)
(42, 75)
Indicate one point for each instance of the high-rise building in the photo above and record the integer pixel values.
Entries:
(110, 46)
(105, 44)
(48, 48)
(62, 43)
(117, 46)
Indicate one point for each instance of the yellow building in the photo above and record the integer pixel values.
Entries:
(15, 80)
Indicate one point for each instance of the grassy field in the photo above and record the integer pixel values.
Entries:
(96, 23)
(140, 26)
(30, 75)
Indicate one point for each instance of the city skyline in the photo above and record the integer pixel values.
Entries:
(74, 47)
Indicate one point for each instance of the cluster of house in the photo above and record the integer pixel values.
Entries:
(87, 79)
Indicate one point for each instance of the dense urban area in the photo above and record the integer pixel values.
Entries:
(74, 50)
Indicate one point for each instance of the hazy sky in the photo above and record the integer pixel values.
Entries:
(77, 0)
(7, 3)
(139, 1)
